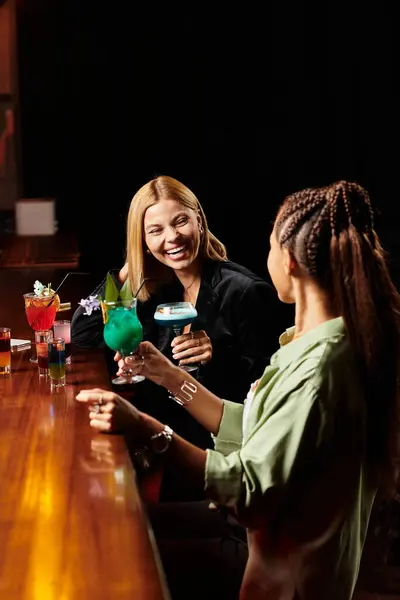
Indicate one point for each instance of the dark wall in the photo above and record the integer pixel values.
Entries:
(243, 107)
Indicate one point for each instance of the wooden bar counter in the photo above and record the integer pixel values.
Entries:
(72, 525)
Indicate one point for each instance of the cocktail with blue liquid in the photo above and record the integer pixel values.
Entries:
(176, 315)
(123, 333)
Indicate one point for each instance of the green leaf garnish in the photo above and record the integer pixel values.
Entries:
(111, 291)
(126, 294)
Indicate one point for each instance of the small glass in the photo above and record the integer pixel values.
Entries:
(42, 338)
(62, 329)
(5, 350)
(56, 350)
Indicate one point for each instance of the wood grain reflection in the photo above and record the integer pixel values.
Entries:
(72, 525)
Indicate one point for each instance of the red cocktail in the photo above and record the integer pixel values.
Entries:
(41, 312)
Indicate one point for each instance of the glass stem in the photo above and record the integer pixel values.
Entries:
(127, 372)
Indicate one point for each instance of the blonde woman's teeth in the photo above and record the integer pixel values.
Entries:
(175, 251)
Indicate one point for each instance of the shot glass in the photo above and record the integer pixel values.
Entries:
(62, 329)
(42, 338)
(56, 350)
(5, 350)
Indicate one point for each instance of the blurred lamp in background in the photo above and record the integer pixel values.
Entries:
(35, 216)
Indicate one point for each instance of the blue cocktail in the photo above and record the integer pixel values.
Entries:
(123, 332)
(176, 315)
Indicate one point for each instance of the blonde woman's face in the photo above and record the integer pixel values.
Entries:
(172, 234)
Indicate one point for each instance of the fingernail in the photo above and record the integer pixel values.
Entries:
(173, 350)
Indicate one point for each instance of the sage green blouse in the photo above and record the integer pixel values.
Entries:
(291, 465)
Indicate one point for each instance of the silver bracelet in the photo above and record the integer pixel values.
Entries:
(158, 444)
(185, 396)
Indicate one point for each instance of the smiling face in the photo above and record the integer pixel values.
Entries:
(172, 234)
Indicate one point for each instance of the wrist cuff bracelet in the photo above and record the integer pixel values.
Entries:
(185, 395)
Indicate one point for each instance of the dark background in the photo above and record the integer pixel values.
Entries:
(242, 105)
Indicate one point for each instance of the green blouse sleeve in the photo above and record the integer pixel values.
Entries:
(229, 436)
(280, 442)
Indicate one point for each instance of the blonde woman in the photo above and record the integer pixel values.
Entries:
(170, 245)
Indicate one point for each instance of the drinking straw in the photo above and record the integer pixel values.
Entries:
(141, 285)
(70, 273)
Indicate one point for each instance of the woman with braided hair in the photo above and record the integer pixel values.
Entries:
(301, 462)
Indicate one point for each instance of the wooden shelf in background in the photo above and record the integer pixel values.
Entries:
(59, 250)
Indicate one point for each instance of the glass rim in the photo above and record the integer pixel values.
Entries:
(30, 294)
(5, 329)
(62, 322)
(57, 340)
(176, 304)
(120, 302)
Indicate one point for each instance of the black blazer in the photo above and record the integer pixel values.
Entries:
(241, 314)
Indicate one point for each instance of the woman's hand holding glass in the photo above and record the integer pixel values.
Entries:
(151, 363)
(192, 348)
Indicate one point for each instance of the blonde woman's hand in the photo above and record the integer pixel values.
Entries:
(123, 274)
(191, 348)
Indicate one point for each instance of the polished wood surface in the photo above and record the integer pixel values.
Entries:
(72, 524)
(59, 250)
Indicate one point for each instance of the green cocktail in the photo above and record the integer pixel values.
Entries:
(123, 332)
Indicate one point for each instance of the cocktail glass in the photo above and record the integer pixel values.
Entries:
(176, 315)
(41, 312)
(123, 333)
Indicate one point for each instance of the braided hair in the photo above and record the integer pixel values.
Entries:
(330, 232)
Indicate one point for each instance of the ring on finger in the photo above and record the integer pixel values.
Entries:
(197, 342)
(100, 401)
(96, 408)
(192, 336)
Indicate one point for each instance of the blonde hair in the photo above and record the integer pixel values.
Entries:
(142, 265)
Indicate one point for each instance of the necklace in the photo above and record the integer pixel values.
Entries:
(188, 288)
(190, 285)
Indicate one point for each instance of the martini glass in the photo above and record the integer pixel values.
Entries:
(176, 315)
(123, 333)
